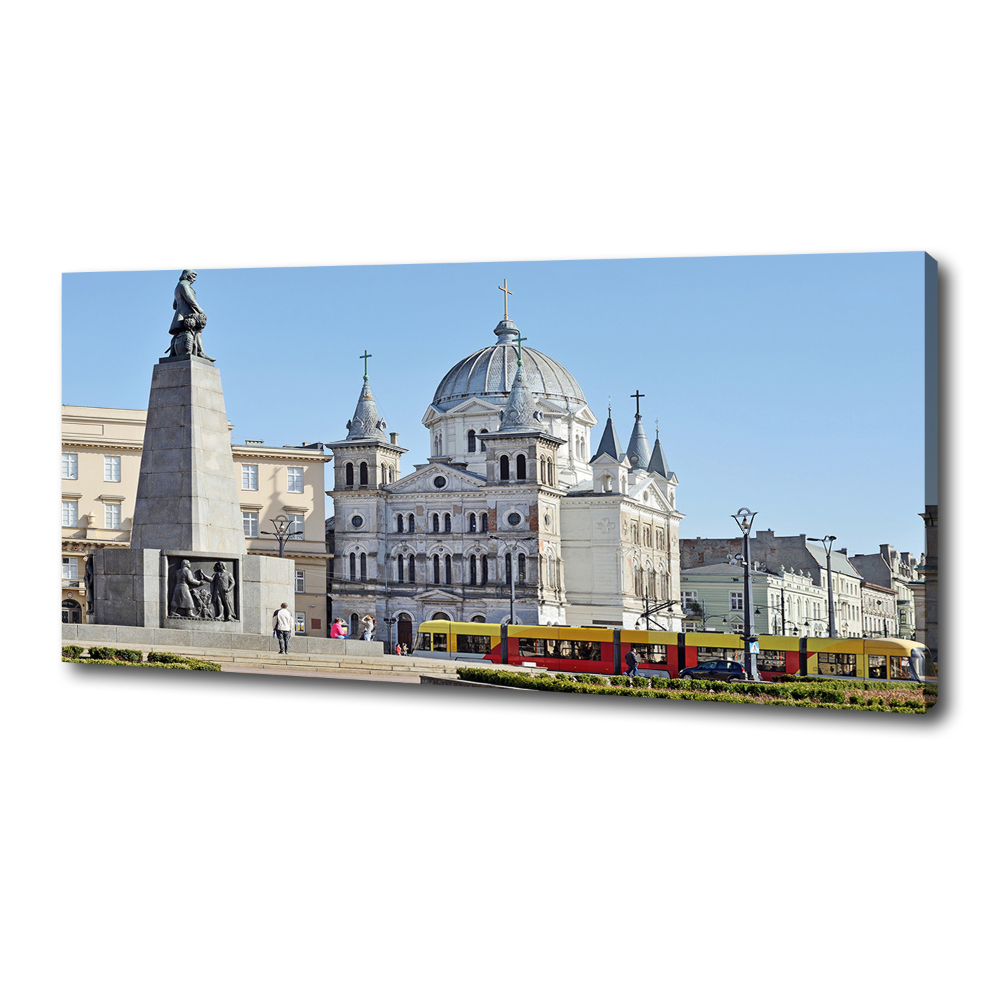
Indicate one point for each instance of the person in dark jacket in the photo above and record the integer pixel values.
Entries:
(631, 663)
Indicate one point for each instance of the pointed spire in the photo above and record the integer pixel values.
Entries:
(366, 423)
(520, 413)
(638, 446)
(609, 442)
(657, 463)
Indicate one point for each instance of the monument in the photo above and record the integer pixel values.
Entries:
(187, 567)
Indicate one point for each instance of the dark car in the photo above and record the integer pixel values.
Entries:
(716, 670)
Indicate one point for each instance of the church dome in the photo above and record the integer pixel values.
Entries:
(489, 374)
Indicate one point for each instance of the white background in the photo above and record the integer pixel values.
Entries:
(206, 836)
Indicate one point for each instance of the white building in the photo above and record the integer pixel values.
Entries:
(511, 491)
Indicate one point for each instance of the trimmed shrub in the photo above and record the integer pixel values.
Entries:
(72, 652)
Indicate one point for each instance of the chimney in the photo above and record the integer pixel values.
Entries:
(393, 437)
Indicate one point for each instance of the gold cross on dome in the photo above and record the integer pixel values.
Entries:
(506, 291)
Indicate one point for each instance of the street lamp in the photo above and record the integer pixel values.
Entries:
(282, 532)
(828, 541)
(749, 637)
(391, 622)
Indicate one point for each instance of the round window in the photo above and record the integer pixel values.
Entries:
(548, 520)
(514, 518)
(439, 482)
(357, 520)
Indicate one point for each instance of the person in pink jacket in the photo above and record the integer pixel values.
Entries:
(337, 630)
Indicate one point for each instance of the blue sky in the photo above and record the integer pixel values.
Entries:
(789, 384)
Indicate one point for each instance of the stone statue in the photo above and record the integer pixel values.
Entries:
(188, 322)
(182, 601)
(223, 583)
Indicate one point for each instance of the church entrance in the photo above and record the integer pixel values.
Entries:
(404, 630)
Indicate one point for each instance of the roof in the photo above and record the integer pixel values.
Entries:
(609, 442)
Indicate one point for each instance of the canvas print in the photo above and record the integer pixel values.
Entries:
(672, 479)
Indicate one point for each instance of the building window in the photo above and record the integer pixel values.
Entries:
(113, 516)
(385, 473)
(250, 524)
(399, 524)
(447, 522)
(411, 524)
(399, 568)
(352, 562)
(447, 569)
(522, 568)
(484, 575)
(300, 622)
(506, 568)
(70, 513)
(689, 598)
(472, 441)
(71, 569)
(482, 443)
(69, 466)
(362, 474)
(249, 477)
(504, 467)
(364, 566)
(435, 524)
(472, 524)
(412, 569)
(735, 600)
(296, 527)
(300, 581)
(522, 467)
(295, 480)
(349, 474)
(437, 569)
(482, 523)
(112, 469)
(72, 613)
(472, 570)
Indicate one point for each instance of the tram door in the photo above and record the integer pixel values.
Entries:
(404, 631)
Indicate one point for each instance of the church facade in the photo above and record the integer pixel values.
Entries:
(511, 498)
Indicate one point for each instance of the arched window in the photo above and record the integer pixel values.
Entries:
(522, 467)
(437, 569)
(352, 563)
(436, 524)
(552, 471)
(363, 474)
(472, 524)
(472, 441)
(364, 566)
(447, 569)
(72, 612)
(504, 467)
(385, 473)
(355, 625)
(482, 523)
(522, 568)
(447, 522)
(399, 568)
(392, 474)
(482, 443)
(349, 474)
(412, 569)
(485, 575)
(411, 524)
(472, 570)
(506, 568)
(440, 616)
(399, 523)
(478, 618)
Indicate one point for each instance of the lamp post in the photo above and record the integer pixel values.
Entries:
(281, 532)
(391, 622)
(744, 519)
(828, 541)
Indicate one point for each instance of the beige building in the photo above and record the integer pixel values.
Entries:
(102, 447)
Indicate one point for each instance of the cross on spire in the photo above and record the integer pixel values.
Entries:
(506, 291)
(364, 357)
(637, 396)
(519, 338)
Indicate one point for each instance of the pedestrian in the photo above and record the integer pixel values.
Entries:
(406, 650)
(282, 622)
(337, 630)
(399, 650)
(369, 628)
(631, 663)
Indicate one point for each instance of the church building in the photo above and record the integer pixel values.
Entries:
(511, 494)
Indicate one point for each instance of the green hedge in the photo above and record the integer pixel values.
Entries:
(72, 652)
(113, 656)
(808, 694)
(112, 653)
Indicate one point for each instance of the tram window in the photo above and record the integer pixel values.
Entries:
(586, 651)
(771, 659)
(899, 668)
(876, 666)
(837, 664)
(423, 641)
(652, 653)
(706, 653)
(474, 643)
(531, 647)
(440, 640)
